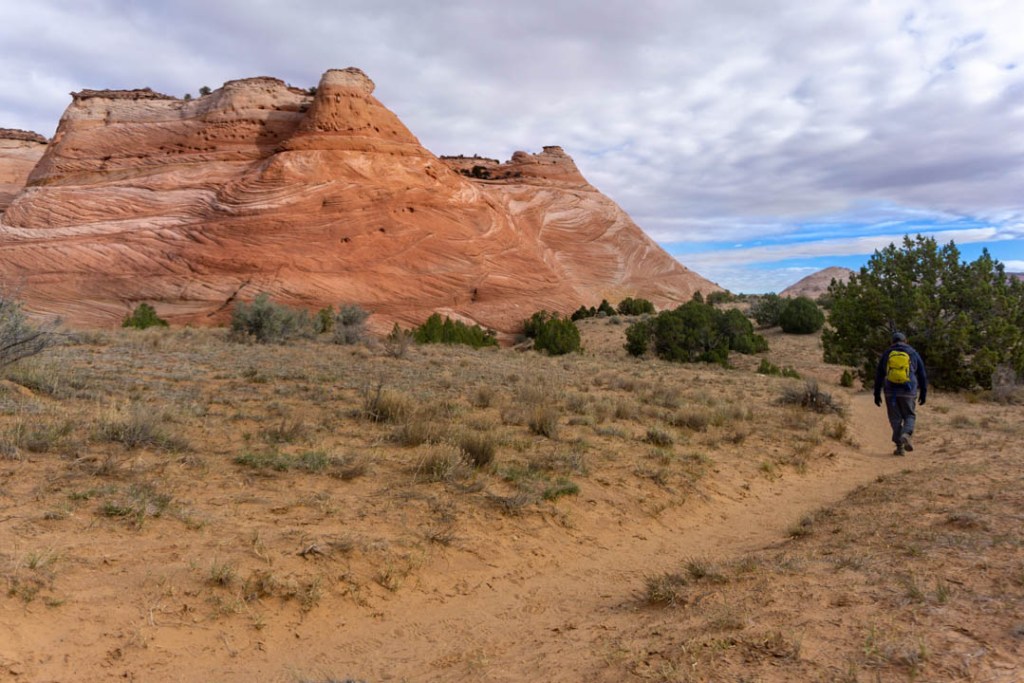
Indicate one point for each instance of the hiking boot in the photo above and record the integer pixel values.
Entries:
(905, 443)
(899, 449)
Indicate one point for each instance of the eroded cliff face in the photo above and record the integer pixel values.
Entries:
(20, 151)
(316, 199)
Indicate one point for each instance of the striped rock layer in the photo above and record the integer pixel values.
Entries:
(317, 199)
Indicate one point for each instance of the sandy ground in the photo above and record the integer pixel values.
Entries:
(558, 595)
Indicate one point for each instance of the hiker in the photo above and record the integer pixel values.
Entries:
(901, 373)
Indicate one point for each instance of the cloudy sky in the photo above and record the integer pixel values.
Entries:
(756, 140)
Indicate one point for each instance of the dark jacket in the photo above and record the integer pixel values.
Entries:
(918, 377)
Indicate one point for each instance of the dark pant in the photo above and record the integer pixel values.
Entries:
(901, 415)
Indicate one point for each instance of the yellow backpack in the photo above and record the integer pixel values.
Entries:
(897, 369)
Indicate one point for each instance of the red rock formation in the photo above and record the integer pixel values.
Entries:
(317, 199)
(816, 284)
(20, 150)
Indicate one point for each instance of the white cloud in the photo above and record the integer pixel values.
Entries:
(707, 120)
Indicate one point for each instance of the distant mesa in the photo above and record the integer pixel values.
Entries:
(20, 151)
(816, 284)
(315, 198)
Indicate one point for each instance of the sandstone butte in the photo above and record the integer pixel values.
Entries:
(317, 199)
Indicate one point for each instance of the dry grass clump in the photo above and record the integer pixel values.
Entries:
(694, 419)
(478, 448)
(543, 421)
(137, 504)
(674, 588)
(138, 427)
(810, 396)
(380, 404)
(443, 463)
(418, 428)
(286, 430)
(313, 462)
(483, 396)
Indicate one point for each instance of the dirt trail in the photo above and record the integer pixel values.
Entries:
(565, 604)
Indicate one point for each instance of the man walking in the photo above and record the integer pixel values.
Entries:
(901, 373)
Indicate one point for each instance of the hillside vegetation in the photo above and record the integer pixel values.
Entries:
(175, 504)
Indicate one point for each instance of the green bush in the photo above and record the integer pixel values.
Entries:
(801, 316)
(694, 332)
(846, 380)
(965, 319)
(266, 322)
(722, 297)
(766, 309)
(768, 368)
(324, 320)
(638, 337)
(434, 331)
(630, 306)
(350, 324)
(142, 317)
(583, 312)
(552, 333)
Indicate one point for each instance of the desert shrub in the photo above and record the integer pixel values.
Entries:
(965, 319)
(666, 589)
(384, 405)
(419, 428)
(142, 317)
(766, 309)
(721, 297)
(436, 331)
(696, 420)
(483, 396)
(658, 437)
(396, 344)
(266, 322)
(552, 333)
(846, 380)
(631, 306)
(560, 487)
(442, 464)
(479, 449)
(801, 316)
(324, 320)
(811, 397)
(768, 368)
(138, 503)
(694, 332)
(137, 429)
(18, 337)
(605, 308)
(350, 324)
(638, 337)
(543, 421)
(583, 312)
(313, 462)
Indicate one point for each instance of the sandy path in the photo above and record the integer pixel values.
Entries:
(541, 617)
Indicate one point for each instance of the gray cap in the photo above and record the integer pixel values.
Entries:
(898, 337)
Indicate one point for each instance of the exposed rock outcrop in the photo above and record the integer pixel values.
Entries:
(816, 284)
(317, 199)
(20, 151)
